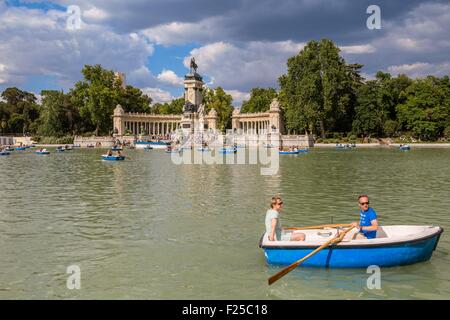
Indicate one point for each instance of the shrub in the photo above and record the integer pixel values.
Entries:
(447, 132)
(54, 140)
(390, 128)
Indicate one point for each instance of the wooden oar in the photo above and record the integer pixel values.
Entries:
(338, 225)
(292, 266)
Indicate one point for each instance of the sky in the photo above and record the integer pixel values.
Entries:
(238, 44)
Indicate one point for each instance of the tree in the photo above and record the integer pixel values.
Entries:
(369, 116)
(426, 110)
(58, 116)
(319, 88)
(174, 107)
(219, 100)
(96, 96)
(260, 100)
(133, 100)
(19, 111)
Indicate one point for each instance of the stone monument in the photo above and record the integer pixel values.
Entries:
(193, 87)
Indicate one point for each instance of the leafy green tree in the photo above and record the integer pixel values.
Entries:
(58, 117)
(16, 123)
(260, 100)
(19, 111)
(174, 107)
(96, 96)
(426, 110)
(133, 100)
(370, 117)
(219, 100)
(319, 88)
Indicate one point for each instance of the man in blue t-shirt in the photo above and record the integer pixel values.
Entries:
(368, 223)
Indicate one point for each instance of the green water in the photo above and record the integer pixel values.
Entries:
(148, 229)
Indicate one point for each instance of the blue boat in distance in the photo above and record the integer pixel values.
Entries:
(227, 150)
(154, 144)
(393, 246)
(42, 153)
(105, 157)
(404, 147)
(21, 149)
(294, 152)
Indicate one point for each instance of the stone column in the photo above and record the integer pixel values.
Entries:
(118, 120)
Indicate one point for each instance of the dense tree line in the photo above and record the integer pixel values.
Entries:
(86, 108)
(320, 93)
(324, 95)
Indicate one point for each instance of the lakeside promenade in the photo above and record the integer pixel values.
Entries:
(392, 145)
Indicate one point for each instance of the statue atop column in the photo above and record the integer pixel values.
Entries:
(194, 66)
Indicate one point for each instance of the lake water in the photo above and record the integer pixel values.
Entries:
(148, 229)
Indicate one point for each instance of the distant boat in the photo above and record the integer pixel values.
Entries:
(148, 148)
(9, 149)
(112, 158)
(345, 146)
(405, 147)
(60, 149)
(21, 149)
(394, 246)
(42, 152)
(154, 144)
(173, 150)
(227, 150)
(116, 148)
(290, 152)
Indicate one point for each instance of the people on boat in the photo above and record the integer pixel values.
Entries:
(273, 225)
(368, 224)
(109, 154)
(119, 154)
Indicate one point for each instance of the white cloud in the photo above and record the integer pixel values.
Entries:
(358, 49)
(420, 69)
(238, 97)
(158, 95)
(35, 42)
(254, 64)
(95, 13)
(177, 33)
(170, 77)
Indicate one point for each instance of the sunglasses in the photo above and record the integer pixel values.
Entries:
(364, 203)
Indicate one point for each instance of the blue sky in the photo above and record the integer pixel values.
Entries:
(238, 44)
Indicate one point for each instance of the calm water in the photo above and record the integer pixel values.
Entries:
(148, 229)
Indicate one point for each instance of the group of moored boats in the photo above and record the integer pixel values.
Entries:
(6, 151)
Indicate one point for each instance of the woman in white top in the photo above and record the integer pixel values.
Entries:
(273, 226)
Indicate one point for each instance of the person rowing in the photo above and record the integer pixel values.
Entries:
(273, 225)
(368, 224)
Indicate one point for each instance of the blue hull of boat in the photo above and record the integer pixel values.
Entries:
(357, 256)
(227, 151)
(289, 152)
(4, 154)
(21, 149)
(112, 158)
